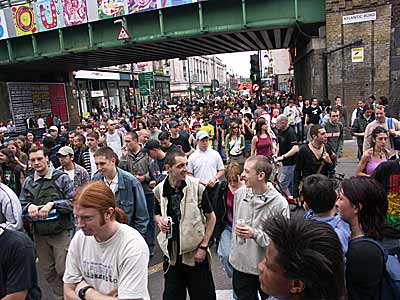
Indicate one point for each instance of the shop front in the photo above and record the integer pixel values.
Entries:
(103, 93)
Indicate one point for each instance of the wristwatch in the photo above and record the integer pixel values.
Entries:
(83, 290)
(205, 248)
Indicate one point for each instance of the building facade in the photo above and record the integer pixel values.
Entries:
(196, 73)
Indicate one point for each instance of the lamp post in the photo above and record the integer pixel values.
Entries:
(190, 83)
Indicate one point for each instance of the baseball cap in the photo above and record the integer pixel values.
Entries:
(64, 151)
(197, 123)
(173, 124)
(150, 145)
(201, 135)
(55, 128)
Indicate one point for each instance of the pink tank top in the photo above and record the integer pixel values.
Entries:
(372, 164)
(264, 146)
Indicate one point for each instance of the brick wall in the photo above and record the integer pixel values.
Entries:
(395, 60)
(353, 81)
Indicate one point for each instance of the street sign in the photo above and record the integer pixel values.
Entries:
(358, 18)
(123, 34)
(256, 87)
(357, 55)
(146, 83)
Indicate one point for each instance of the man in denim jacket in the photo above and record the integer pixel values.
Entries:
(127, 189)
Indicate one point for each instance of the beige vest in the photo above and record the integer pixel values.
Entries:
(192, 224)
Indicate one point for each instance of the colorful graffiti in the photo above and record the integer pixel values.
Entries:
(47, 15)
(75, 12)
(44, 15)
(24, 19)
(169, 3)
(3, 26)
(135, 6)
(110, 8)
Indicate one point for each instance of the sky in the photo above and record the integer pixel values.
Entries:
(237, 63)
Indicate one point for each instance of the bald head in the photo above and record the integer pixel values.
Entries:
(143, 135)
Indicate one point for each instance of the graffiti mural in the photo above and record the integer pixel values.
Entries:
(168, 3)
(75, 12)
(24, 19)
(135, 6)
(110, 8)
(3, 26)
(47, 15)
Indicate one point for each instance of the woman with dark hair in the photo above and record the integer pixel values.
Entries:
(20, 157)
(235, 145)
(263, 143)
(13, 173)
(363, 205)
(248, 132)
(375, 155)
(22, 142)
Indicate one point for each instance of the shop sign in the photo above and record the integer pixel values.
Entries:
(95, 94)
(83, 74)
(358, 18)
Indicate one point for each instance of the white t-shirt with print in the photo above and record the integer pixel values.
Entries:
(118, 263)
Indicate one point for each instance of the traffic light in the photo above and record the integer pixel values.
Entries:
(255, 69)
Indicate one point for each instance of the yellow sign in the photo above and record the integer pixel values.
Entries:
(357, 54)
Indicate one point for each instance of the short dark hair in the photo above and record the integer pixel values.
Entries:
(314, 130)
(319, 193)
(107, 152)
(334, 110)
(261, 164)
(94, 135)
(170, 158)
(309, 251)
(133, 135)
(163, 136)
(35, 149)
(370, 197)
(81, 138)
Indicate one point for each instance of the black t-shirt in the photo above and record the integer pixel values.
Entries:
(286, 140)
(314, 114)
(172, 147)
(364, 267)
(17, 265)
(181, 142)
(173, 207)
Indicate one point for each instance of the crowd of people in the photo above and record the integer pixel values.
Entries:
(85, 204)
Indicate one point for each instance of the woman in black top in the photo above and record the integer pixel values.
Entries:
(363, 204)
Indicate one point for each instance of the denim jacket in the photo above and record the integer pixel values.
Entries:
(130, 198)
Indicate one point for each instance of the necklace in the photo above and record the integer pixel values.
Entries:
(318, 148)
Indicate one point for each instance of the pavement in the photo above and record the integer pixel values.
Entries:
(347, 165)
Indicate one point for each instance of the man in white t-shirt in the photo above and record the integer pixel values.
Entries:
(205, 163)
(113, 138)
(106, 259)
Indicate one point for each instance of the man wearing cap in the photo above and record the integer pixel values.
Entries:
(179, 140)
(207, 127)
(192, 138)
(76, 173)
(206, 164)
(157, 171)
(58, 139)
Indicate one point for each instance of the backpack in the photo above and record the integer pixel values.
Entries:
(390, 283)
(47, 191)
(396, 139)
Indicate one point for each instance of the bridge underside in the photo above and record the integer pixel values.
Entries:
(198, 29)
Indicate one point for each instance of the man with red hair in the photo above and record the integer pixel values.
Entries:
(106, 259)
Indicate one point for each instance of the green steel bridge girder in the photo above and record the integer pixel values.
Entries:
(202, 19)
